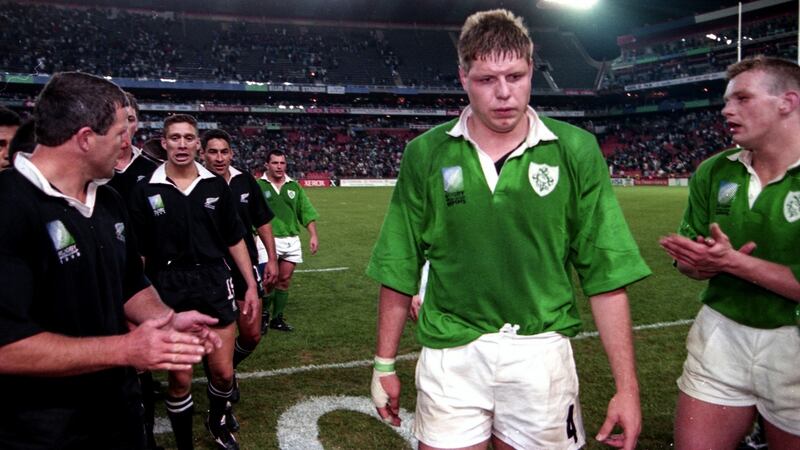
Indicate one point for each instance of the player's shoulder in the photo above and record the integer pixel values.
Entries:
(432, 139)
(569, 135)
(713, 163)
(15, 190)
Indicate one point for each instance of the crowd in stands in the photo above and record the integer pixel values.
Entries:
(673, 58)
(664, 144)
(37, 38)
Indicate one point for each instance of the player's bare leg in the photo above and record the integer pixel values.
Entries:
(701, 425)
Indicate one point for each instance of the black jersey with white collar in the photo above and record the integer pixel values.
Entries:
(184, 228)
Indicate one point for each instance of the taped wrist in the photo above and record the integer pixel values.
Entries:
(382, 367)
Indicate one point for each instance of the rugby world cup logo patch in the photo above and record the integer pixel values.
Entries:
(543, 178)
(63, 242)
(791, 206)
(727, 191)
(725, 195)
(157, 203)
(453, 183)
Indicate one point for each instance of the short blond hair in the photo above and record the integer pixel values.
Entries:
(496, 32)
(785, 74)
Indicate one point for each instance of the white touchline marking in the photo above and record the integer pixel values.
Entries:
(332, 269)
(407, 356)
(162, 424)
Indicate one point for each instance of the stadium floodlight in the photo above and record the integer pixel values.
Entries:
(574, 4)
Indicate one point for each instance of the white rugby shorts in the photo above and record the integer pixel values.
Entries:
(522, 389)
(287, 248)
(731, 364)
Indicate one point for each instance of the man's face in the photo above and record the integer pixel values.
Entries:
(751, 110)
(6, 134)
(217, 156)
(499, 89)
(181, 143)
(133, 126)
(106, 149)
(276, 167)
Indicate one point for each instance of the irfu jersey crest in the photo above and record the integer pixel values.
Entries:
(543, 178)
(791, 206)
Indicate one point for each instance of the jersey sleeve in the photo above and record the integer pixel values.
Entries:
(16, 276)
(134, 279)
(398, 255)
(602, 248)
(231, 226)
(305, 211)
(696, 216)
(260, 212)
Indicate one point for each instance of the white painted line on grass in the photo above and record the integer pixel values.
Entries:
(332, 269)
(408, 356)
(162, 424)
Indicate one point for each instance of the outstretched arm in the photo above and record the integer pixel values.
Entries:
(613, 320)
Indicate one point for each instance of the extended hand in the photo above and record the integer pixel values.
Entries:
(623, 410)
(157, 344)
(386, 396)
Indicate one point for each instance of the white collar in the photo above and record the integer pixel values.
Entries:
(160, 177)
(537, 132)
(29, 170)
(745, 157)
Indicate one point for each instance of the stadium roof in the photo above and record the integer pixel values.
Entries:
(598, 29)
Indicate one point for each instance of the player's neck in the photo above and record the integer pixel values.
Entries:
(277, 181)
(62, 170)
(182, 175)
(125, 159)
(493, 143)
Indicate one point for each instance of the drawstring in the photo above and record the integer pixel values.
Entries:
(509, 329)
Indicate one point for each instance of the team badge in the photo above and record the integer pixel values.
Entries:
(157, 203)
(211, 202)
(291, 194)
(119, 228)
(543, 178)
(791, 206)
(453, 183)
(243, 198)
(63, 242)
(139, 178)
(267, 195)
(727, 190)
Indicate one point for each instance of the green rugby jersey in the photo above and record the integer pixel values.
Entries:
(504, 256)
(719, 193)
(291, 206)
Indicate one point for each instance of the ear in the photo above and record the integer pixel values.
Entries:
(790, 102)
(164, 143)
(85, 138)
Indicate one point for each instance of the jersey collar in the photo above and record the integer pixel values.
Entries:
(160, 177)
(136, 153)
(234, 172)
(755, 186)
(286, 179)
(537, 132)
(29, 170)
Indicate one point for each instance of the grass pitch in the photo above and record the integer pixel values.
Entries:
(334, 314)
